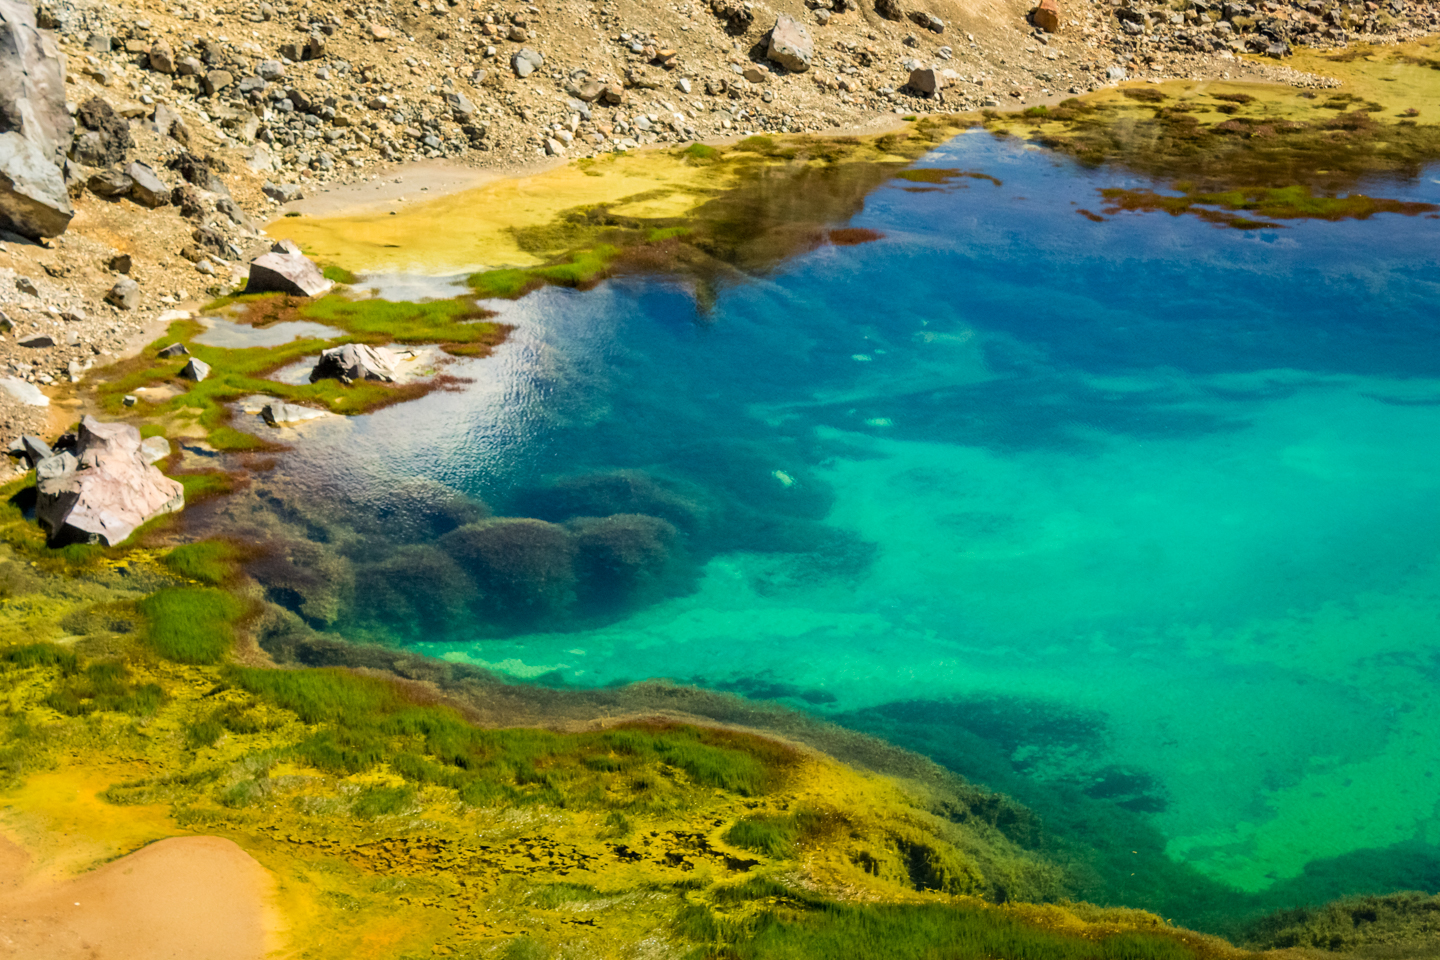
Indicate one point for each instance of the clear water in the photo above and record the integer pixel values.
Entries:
(1153, 512)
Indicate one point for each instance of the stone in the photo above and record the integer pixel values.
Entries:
(120, 263)
(270, 70)
(32, 83)
(189, 67)
(379, 32)
(927, 20)
(355, 361)
(314, 47)
(283, 192)
(216, 80)
(26, 393)
(33, 448)
(526, 61)
(107, 135)
(37, 341)
(925, 81)
(589, 91)
(34, 201)
(174, 350)
(460, 106)
(790, 44)
(889, 9)
(554, 147)
(278, 414)
(1047, 16)
(110, 183)
(105, 489)
(291, 273)
(292, 51)
(125, 294)
(154, 449)
(162, 57)
(195, 369)
(148, 189)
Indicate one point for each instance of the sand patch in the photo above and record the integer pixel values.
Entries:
(197, 898)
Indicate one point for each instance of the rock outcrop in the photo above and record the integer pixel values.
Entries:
(32, 83)
(104, 489)
(286, 270)
(1047, 16)
(33, 199)
(355, 361)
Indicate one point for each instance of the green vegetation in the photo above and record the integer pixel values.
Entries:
(1400, 925)
(798, 925)
(339, 275)
(1277, 203)
(104, 686)
(209, 561)
(191, 624)
(699, 151)
(367, 722)
(775, 836)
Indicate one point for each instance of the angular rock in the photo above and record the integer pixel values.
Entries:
(889, 9)
(120, 263)
(35, 449)
(790, 44)
(174, 350)
(590, 91)
(270, 70)
(125, 294)
(927, 20)
(216, 80)
(32, 83)
(148, 190)
(278, 414)
(37, 342)
(195, 369)
(162, 57)
(105, 489)
(292, 273)
(26, 393)
(34, 201)
(354, 361)
(460, 106)
(1047, 16)
(925, 81)
(110, 183)
(526, 61)
(283, 192)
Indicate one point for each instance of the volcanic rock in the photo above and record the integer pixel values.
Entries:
(355, 361)
(32, 83)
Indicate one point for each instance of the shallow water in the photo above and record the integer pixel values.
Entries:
(1142, 514)
(231, 335)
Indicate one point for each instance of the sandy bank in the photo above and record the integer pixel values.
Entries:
(185, 898)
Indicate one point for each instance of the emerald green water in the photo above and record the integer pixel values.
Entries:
(1134, 520)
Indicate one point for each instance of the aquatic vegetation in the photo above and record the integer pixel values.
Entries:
(1276, 203)
(522, 568)
(622, 492)
(1397, 925)
(622, 557)
(191, 624)
(209, 561)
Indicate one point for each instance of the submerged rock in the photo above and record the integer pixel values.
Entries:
(355, 361)
(105, 489)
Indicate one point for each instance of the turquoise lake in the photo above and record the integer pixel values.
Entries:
(1137, 521)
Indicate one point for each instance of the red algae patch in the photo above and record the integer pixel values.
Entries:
(200, 897)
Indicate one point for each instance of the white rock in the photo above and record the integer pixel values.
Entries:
(26, 393)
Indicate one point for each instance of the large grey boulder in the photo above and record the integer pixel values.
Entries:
(105, 489)
(355, 361)
(33, 199)
(286, 270)
(32, 83)
(147, 188)
(790, 44)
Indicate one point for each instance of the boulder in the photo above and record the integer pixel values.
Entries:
(174, 350)
(1047, 16)
(148, 189)
(283, 192)
(26, 393)
(889, 9)
(216, 80)
(111, 183)
(33, 199)
(195, 369)
(105, 489)
(162, 57)
(37, 341)
(270, 70)
(790, 44)
(106, 136)
(925, 81)
(354, 361)
(125, 294)
(526, 61)
(286, 271)
(35, 449)
(460, 106)
(278, 414)
(32, 83)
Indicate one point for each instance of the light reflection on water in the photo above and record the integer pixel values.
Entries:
(1180, 478)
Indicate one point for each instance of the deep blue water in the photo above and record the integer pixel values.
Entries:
(1140, 513)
